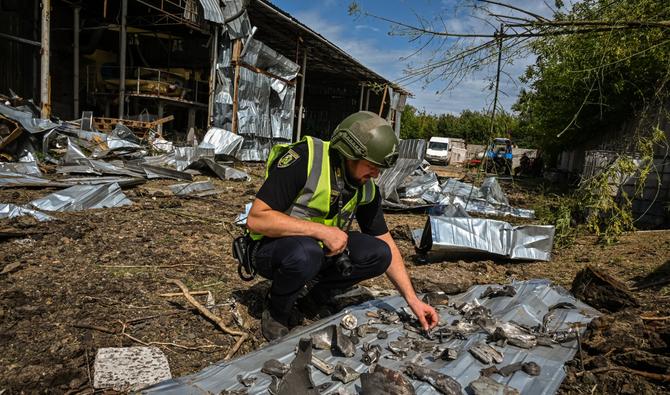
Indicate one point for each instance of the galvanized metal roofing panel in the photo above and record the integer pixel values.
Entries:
(532, 300)
(213, 11)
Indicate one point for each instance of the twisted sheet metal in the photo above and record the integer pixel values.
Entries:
(410, 157)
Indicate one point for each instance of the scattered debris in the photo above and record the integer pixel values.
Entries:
(441, 382)
(275, 368)
(486, 354)
(83, 197)
(383, 381)
(494, 292)
(349, 322)
(297, 380)
(487, 386)
(344, 373)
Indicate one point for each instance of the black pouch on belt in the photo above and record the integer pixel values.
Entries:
(244, 250)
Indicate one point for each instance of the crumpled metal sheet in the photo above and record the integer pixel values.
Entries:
(410, 156)
(27, 119)
(255, 150)
(213, 12)
(488, 199)
(222, 141)
(262, 56)
(463, 234)
(12, 179)
(241, 26)
(28, 168)
(13, 211)
(198, 188)
(527, 307)
(184, 156)
(83, 197)
(281, 115)
(253, 111)
(222, 171)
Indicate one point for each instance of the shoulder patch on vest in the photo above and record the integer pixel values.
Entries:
(288, 159)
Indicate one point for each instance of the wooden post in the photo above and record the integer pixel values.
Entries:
(212, 78)
(381, 107)
(45, 78)
(237, 50)
(360, 100)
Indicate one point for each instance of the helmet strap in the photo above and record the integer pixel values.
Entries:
(343, 170)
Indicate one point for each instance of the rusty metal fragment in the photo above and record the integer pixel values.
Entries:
(322, 365)
(332, 338)
(487, 386)
(485, 353)
(275, 368)
(344, 373)
(371, 353)
(436, 298)
(441, 382)
(384, 381)
(246, 381)
(494, 292)
(298, 380)
(349, 322)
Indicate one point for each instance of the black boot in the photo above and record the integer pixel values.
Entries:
(271, 328)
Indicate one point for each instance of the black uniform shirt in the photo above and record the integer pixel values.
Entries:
(288, 176)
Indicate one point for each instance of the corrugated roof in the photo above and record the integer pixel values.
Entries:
(212, 10)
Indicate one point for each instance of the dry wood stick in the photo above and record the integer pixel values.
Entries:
(173, 294)
(653, 376)
(96, 328)
(211, 316)
(183, 347)
(667, 317)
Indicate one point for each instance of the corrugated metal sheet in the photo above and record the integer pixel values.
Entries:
(529, 305)
(213, 11)
(410, 157)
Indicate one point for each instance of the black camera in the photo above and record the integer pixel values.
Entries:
(343, 264)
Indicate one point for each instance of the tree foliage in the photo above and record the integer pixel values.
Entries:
(585, 85)
(473, 126)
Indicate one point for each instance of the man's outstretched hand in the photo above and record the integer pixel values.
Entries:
(425, 313)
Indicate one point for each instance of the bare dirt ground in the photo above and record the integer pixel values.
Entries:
(93, 279)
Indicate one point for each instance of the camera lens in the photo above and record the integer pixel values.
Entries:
(344, 265)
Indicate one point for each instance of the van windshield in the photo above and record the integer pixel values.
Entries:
(438, 146)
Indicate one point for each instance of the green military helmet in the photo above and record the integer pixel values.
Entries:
(365, 135)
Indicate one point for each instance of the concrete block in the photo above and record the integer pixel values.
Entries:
(129, 368)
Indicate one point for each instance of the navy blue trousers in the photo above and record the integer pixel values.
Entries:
(292, 262)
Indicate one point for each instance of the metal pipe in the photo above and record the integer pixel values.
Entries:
(76, 63)
(45, 88)
(301, 108)
(21, 40)
(212, 77)
(122, 57)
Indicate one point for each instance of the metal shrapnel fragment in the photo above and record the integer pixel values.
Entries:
(344, 373)
(494, 292)
(487, 386)
(298, 380)
(382, 335)
(246, 381)
(448, 354)
(275, 368)
(324, 387)
(399, 348)
(436, 298)
(349, 322)
(384, 381)
(332, 338)
(441, 382)
(531, 368)
(371, 353)
(364, 329)
(322, 365)
(485, 353)
(512, 334)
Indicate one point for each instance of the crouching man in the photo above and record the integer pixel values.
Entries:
(302, 214)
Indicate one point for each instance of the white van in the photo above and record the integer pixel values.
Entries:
(440, 149)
